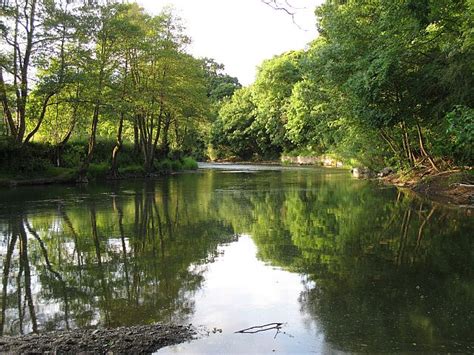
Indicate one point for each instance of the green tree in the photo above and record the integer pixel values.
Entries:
(31, 31)
(272, 91)
(233, 133)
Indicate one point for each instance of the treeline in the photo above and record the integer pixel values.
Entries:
(86, 71)
(385, 83)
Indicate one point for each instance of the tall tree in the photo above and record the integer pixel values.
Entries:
(31, 30)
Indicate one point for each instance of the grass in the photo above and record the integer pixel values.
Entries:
(47, 176)
(189, 164)
(168, 165)
(96, 171)
(132, 170)
(49, 173)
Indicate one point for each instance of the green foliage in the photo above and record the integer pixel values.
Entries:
(461, 133)
(234, 132)
(167, 165)
(386, 83)
(29, 159)
(98, 171)
(272, 91)
(132, 170)
(73, 154)
(189, 163)
(219, 84)
(110, 73)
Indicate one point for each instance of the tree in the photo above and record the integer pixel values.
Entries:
(272, 90)
(234, 133)
(105, 31)
(30, 29)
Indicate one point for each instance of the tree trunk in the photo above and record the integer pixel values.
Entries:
(406, 144)
(118, 146)
(6, 107)
(422, 147)
(21, 103)
(92, 142)
(165, 145)
(390, 142)
(26, 265)
(136, 138)
(60, 147)
(40, 119)
(6, 272)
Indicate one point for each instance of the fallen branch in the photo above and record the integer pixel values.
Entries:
(261, 328)
(462, 185)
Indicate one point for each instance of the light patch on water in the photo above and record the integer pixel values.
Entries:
(240, 291)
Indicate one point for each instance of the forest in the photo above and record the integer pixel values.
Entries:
(105, 89)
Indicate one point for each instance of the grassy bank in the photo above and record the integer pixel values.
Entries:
(45, 164)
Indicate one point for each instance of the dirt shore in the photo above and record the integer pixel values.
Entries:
(138, 340)
(449, 187)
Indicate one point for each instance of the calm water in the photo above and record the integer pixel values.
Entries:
(345, 265)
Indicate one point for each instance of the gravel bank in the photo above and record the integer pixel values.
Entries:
(137, 339)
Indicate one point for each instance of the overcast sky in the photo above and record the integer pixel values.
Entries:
(241, 33)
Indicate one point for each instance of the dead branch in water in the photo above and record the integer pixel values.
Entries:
(261, 328)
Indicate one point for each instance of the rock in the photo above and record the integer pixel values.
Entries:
(362, 173)
(386, 172)
(322, 160)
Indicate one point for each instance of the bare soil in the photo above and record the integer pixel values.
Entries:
(451, 187)
(143, 339)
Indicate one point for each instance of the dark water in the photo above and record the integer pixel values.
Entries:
(345, 265)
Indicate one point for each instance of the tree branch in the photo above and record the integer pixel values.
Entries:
(286, 7)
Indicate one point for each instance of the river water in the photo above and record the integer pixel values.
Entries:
(333, 264)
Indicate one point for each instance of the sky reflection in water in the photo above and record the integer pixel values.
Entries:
(346, 265)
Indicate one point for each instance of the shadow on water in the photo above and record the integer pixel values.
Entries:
(382, 271)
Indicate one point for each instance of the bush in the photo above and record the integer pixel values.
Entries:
(73, 155)
(98, 171)
(75, 152)
(189, 163)
(133, 170)
(163, 165)
(26, 160)
(461, 134)
(168, 165)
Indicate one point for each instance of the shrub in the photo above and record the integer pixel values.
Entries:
(163, 165)
(132, 170)
(26, 160)
(461, 134)
(189, 163)
(98, 171)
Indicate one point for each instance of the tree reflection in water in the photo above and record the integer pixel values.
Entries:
(132, 258)
(382, 270)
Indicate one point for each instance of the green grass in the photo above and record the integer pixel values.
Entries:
(98, 171)
(168, 165)
(189, 164)
(48, 173)
(132, 170)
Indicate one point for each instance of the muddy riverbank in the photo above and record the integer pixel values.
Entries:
(450, 187)
(137, 339)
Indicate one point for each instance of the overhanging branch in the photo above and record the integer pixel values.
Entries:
(286, 7)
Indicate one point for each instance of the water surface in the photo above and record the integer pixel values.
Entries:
(346, 265)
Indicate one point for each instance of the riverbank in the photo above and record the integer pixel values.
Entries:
(454, 187)
(96, 172)
(136, 339)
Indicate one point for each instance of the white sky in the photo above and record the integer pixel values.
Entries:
(241, 33)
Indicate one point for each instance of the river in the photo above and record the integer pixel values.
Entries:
(332, 263)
